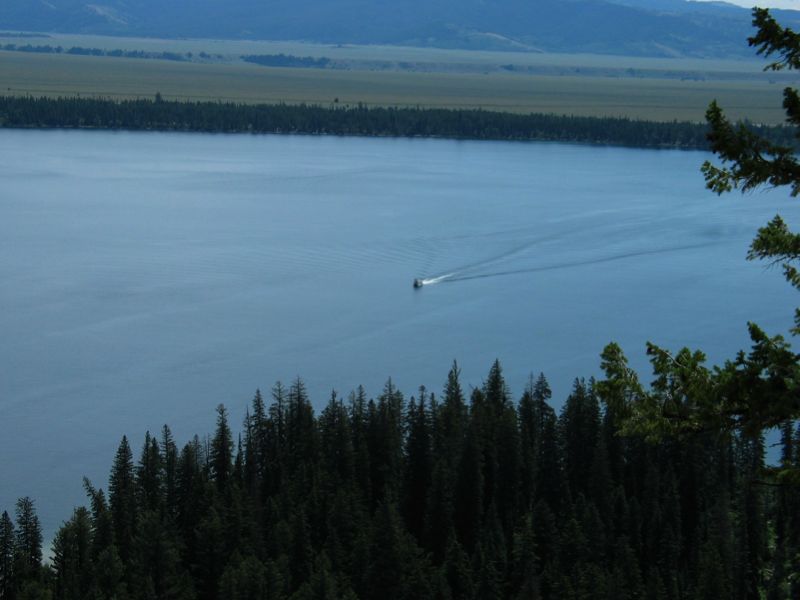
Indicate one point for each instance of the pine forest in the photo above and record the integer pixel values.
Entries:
(451, 496)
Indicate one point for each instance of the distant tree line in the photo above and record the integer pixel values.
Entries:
(287, 60)
(81, 51)
(467, 495)
(336, 119)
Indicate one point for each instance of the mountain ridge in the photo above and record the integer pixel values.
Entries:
(631, 27)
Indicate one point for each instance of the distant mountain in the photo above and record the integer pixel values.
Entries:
(636, 27)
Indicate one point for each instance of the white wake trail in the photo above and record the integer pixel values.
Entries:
(438, 279)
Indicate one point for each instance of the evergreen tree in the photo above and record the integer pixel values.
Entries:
(458, 571)
(418, 461)
(209, 555)
(468, 512)
(358, 414)
(397, 568)
(155, 562)
(681, 519)
(7, 544)
(169, 475)
(550, 482)
(302, 444)
(580, 427)
(221, 449)
(751, 543)
(193, 500)
(448, 435)
(248, 579)
(28, 546)
(72, 558)
(122, 499)
(385, 444)
(148, 476)
(530, 445)
(712, 582)
(756, 390)
(453, 421)
(525, 579)
(336, 444)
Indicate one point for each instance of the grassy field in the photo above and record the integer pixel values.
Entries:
(743, 92)
(234, 48)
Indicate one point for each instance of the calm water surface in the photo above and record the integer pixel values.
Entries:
(148, 277)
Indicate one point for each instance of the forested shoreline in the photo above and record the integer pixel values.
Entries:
(219, 117)
(434, 496)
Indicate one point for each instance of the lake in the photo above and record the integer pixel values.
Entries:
(148, 277)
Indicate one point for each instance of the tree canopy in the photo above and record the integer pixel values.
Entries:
(422, 498)
(760, 389)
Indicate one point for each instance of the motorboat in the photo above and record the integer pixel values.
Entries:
(418, 283)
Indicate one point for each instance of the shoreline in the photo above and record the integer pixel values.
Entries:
(18, 112)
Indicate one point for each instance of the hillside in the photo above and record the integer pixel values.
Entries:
(633, 27)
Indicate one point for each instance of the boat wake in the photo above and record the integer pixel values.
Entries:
(439, 279)
(453, 277)
(468, 274)
(419, 282)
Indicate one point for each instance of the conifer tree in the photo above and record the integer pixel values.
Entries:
(155, 561)
(397, 569)
(448, 434)
(439, 524)
(247, 579)
(336, 444)
(7, 544)
(72, 558)
(169, 475)
(192, 495)
(454, 415)
(682, 519)
(302, 444)
(457, 571)
(122, 499)
(358, 415)
(524, 577)
(274, 439)
(148, 475)
(756, 390)
(210, 556)
(468, 514)
(530, 445)
(221, 449)
(751, 542)
(255, 443)
(418, 461)
(580, 426)
(385, 444)
(28, 545)
(548, 483)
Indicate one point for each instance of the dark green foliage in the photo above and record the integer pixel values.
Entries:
(148, 475)
(72, 558)
(122, 499)
(249, 579)
(387, 499)
(7, 544)
(28, 543)
(418, 471)
(757, 390)
(165, 115)
(412, 500)
(221, 448)
(284, 60)
(81, 51)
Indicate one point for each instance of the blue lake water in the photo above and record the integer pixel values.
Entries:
(148, 277)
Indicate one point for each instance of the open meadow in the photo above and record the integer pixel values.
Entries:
(585, 85)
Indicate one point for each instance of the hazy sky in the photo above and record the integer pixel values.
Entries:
(790, 4)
